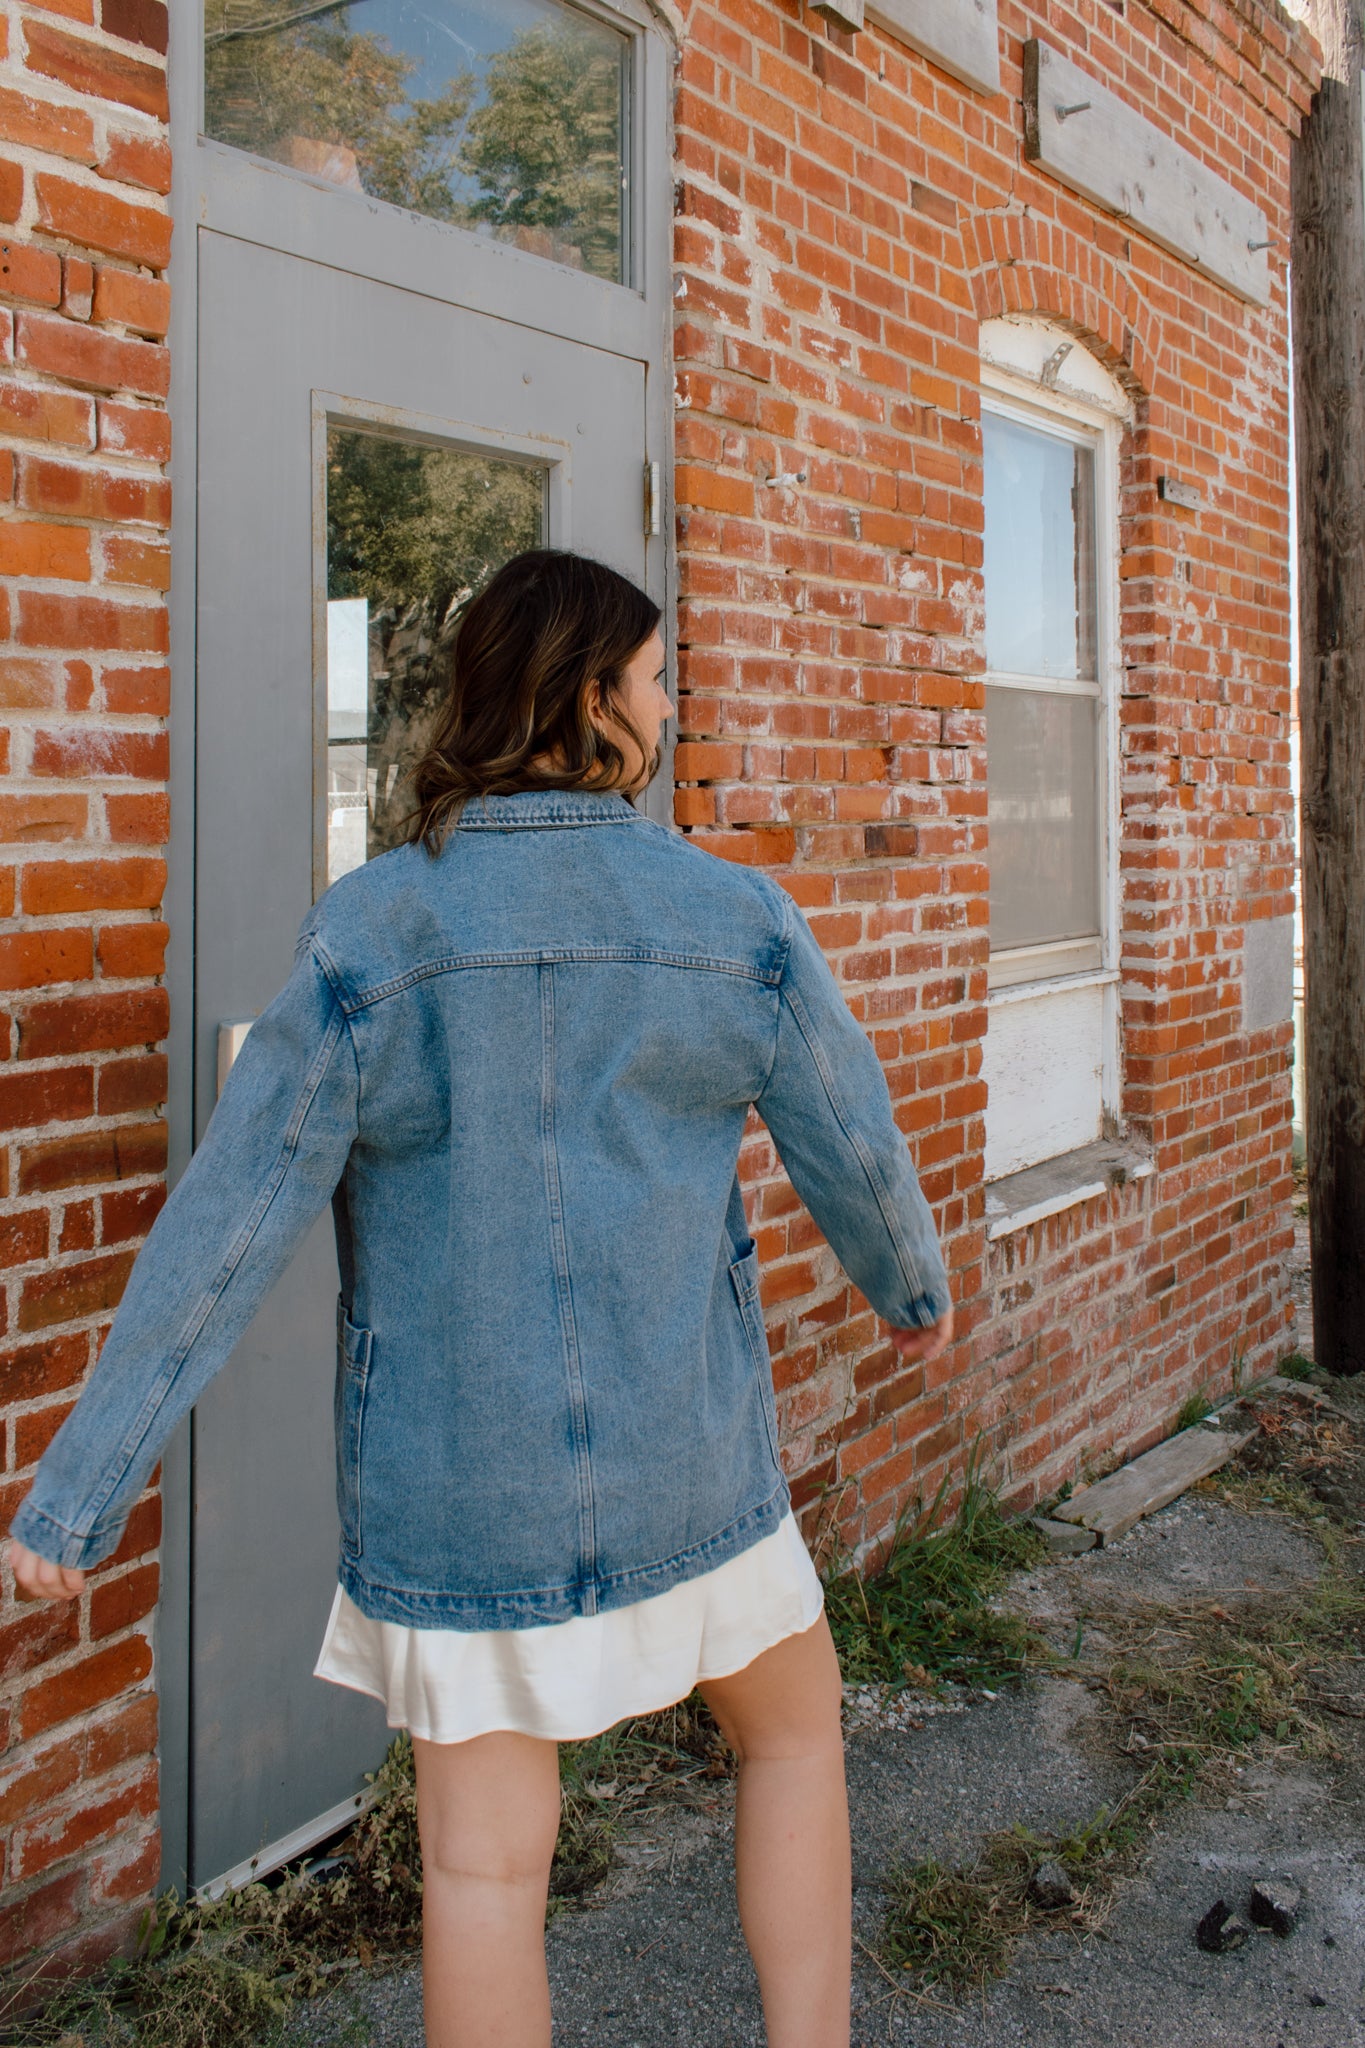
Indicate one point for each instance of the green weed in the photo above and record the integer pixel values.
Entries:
(928, 1614)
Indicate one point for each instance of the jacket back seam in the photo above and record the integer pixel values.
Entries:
(551, 956)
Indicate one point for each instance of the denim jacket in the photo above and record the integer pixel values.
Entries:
(520, 1071)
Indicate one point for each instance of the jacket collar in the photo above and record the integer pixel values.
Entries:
(527, 808)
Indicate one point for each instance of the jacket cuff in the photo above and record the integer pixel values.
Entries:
(46, 1538)
(927, 1309)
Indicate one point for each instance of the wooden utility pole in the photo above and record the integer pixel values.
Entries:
(1328, 191)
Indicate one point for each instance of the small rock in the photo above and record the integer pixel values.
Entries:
(1051, 1888)
(1275, 1903)
(1220, 1930)
(1316, 1998)
(1065, 1539)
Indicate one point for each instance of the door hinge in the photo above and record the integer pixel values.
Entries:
(653, 498)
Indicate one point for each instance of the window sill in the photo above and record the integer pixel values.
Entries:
(1020, 1199)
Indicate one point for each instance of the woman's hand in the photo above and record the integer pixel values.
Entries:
(40, 1580)
(924, 1344)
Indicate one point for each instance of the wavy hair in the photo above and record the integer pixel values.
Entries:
(525, 654)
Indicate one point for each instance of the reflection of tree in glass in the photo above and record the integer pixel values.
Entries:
(533, 154)
(545, 146)
(415, 531)
(312, 94)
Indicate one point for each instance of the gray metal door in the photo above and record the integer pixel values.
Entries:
(365, 454)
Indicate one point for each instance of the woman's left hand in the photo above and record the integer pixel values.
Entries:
(39, 1579)
(924, 1344)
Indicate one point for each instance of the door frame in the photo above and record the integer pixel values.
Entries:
(214, 188)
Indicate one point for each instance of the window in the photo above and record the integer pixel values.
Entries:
(507, 117)
(1051, 420)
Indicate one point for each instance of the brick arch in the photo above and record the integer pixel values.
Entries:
(1019, 263)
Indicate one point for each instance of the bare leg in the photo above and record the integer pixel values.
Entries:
(488, 1816)
(792, 1858)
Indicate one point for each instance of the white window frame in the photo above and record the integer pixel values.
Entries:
(1043, 1102)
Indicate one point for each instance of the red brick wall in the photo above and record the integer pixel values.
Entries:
(846, 215)
(84, 511)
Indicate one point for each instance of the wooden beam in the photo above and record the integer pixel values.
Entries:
(961, 36)
(1328, 274)
(1088, 138)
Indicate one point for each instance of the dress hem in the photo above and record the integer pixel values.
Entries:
(626, 1712)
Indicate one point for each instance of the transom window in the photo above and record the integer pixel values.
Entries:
(1051, 420)
(507, 117)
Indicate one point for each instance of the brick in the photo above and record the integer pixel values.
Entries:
(29, 273)
(47, 620)
(89, 752)
(131, 1213)
(103, 1023)
(140, 563)
(36, 959)
(23, 1238)
(32, 1782)
(120, 1602)
(83, 1159)
(85, 355)
(86, 1287)
(53, 888)
(40, 1844)
(125, 298)
(129, 1732)
(58, 1095)
(76, 491)
(137, 21)
(92, 68)
(37, 1637)
(48, 126)
(55, 814)
(138, 160)
(144, 692)
(59, 417)
(31, 548)
(35, 1919)
(78, 287)
(138, 820)
(139, 430)
(128, 951)
(139, 1083)
(11, 190)
(29, 684)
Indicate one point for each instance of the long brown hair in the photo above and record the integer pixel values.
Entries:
(526, 651)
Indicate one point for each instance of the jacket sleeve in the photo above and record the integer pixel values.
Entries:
(274, 1150)
(828, 1109)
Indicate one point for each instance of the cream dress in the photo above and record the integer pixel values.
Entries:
(570, 1679)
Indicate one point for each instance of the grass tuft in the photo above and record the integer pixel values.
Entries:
(1296, 1367)
(928, 1615)
(1193, 1411)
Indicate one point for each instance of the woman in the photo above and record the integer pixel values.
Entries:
(517, 1054)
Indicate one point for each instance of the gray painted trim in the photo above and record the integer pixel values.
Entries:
(172, 1625)
(961, 36)
(1091, 140)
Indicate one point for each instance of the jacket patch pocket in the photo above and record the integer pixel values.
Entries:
(354, 1345)
(744, 1280)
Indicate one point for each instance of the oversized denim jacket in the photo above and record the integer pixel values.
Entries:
(520, 1071)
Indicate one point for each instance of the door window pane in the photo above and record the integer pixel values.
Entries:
(412, 531)
(1039, 552)
(508, 117)
(1043, 812)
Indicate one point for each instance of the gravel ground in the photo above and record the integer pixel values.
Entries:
(655, 1959)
